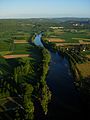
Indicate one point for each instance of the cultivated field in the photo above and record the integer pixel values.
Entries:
(56, 40)
(70, 35)
(84, 69)
(20, 41)
(88, 56)
(16, 56)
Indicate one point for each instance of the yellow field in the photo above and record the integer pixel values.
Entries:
(56, 40)
(84, 69)
(16, 56)
(20, 41)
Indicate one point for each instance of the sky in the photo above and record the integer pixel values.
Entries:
(44, 8)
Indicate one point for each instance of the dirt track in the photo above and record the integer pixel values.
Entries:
(16, 56)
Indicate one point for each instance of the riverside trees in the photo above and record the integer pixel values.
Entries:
(25, 85)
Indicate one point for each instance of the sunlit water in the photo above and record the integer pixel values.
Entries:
(37, 41)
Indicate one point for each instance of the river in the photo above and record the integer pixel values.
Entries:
(66, 100)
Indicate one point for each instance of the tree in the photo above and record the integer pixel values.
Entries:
(28, 104)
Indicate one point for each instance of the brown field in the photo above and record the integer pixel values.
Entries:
(84, 69)
(88, 56)
(83, 42)
(56, 40)
(16, 56)
(67, 44)
(20, 41)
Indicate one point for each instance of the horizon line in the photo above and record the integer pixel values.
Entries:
(43, 17)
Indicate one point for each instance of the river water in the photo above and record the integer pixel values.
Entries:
(66, 101)
(37, 41)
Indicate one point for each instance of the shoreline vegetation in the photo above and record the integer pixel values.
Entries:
(82, 80)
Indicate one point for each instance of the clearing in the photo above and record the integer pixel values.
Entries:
(16, 56)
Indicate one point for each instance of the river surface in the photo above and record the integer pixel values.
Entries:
(37, 41)
(66, 101)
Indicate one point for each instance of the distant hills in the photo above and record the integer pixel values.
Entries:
(63, 19)
(55, 20)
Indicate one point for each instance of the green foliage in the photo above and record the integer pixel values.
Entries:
(21, 72)
(45, 93)
(46, 97)
(28, 104)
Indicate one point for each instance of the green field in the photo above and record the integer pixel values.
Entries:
(87, 52)
(21, 48)
(69, 36)
(11, 30)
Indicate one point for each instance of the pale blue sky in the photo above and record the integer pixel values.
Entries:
(44, 8)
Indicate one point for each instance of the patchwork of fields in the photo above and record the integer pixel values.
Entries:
(15, 46)
(69, 36)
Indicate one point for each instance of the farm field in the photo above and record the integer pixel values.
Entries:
(20, 41)
(12, 30)
(72, 36)
(88, 56)
(15, 56)
(84, 69)
(56, 40)
(9, 41)
(17, 48)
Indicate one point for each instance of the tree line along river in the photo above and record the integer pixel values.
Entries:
(66, 100)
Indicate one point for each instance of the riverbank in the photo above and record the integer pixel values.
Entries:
(63, 87)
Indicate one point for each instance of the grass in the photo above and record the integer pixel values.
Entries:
(16, 49)
(4, 46)
(68, 36)
(5, 52)
(72, 37)
(20, 52)
(87, 52)
(21, 47)
(86, 39)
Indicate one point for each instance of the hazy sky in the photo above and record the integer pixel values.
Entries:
(44, 8)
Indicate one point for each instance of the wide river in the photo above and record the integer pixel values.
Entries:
(66, 101)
